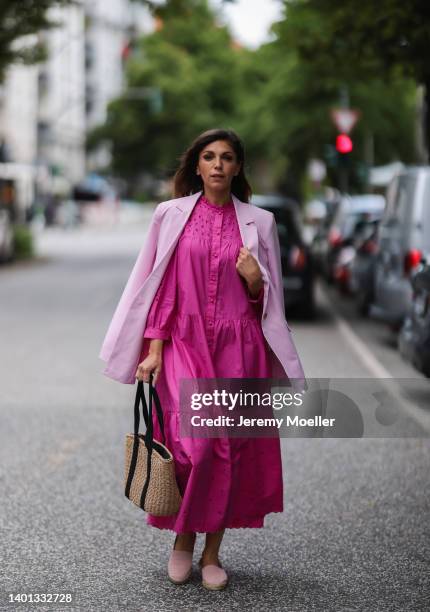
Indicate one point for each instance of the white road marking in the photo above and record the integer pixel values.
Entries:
(375, 367)
(369, 360)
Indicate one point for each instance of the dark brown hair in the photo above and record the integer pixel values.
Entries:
(187, 182)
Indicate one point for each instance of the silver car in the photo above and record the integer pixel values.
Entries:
(404, 240)
(337, 236)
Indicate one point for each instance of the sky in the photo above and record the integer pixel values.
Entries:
(249, 20)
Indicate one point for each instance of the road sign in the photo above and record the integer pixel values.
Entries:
(345, 118)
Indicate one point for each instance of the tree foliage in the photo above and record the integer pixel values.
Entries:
(190, 61)
(18, 20)
(277, 97)
(363, 40)
(363, 36)
(303, 83)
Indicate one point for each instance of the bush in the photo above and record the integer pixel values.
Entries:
(23, 242)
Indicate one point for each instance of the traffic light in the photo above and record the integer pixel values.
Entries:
(343, 148)
(343, 143)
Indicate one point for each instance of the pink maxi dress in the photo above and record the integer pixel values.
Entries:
(211, 327)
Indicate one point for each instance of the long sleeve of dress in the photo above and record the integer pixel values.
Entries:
(257, 302)
(162, 313)
(257, 299)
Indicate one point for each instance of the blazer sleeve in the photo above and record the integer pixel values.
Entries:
(275, 263)
(163, 309)
(141, 270)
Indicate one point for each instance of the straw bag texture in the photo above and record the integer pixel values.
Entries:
(150, 480)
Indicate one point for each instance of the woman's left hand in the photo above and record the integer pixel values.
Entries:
(248, 267)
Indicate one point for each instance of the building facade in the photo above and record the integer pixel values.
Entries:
(47, 109)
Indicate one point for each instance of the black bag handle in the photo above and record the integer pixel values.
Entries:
(148, 436)
(152, 394)
(140, 395)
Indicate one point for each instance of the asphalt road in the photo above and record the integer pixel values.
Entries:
(354, 534)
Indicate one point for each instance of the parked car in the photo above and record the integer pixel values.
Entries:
(362, 278)
(314, 216)
(340, 231)
(6, 236)
(414, 336)
(404, 239)
(354, 252)
(297, 265)
(342, 266)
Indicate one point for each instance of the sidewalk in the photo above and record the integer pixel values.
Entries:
(100, 236)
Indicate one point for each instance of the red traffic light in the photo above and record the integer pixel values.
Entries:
(343, 143)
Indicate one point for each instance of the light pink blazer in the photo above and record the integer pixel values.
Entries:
(122, 344)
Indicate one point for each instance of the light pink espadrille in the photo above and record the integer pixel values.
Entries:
(179, 567)
(180, 564)
(214, 577)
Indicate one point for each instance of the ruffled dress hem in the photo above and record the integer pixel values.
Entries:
(256, 523)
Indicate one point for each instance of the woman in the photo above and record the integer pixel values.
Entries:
(203, 319)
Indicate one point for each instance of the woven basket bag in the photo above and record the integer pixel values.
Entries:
(150, 480)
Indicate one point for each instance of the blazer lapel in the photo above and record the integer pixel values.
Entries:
(247, 225)
(172, 227)
(243, 211)
(249, 233)
(174, 224)
(244, 215)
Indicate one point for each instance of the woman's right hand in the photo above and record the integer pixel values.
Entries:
(152, 363)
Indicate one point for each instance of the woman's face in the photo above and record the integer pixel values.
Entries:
(218, 165)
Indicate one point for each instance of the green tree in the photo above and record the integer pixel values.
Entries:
(277, 97)
(19, 20)
(190, 61)
(364, 40)
(291, 93)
